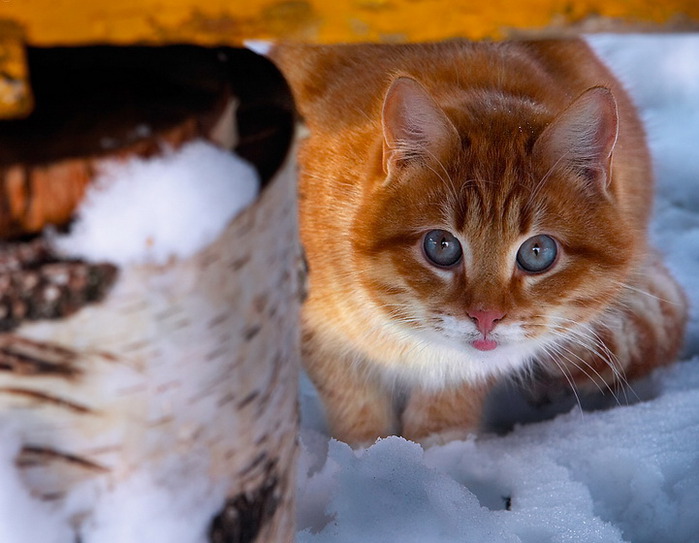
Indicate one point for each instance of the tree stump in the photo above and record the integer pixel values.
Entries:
(187, 370)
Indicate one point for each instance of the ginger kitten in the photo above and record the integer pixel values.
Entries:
(469, 210)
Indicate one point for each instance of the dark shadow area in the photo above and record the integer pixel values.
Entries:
(92, 101)
(529, 400)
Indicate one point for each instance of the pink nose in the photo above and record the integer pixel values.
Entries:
(485, 320)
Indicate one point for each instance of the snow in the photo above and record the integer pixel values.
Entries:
(162, 503)
(629, 472)
(162, 207)
(155, 504)
(261, 47)
(626, 474)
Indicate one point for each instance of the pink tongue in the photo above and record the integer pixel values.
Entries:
(485, 344)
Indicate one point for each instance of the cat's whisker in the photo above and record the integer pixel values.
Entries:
(564, 352)
(540, 184)
(447, 180)
(646, 293)
(577, 329)
(407, 320)
(599, 376)
(606, 355)
(444, 169)
(527, 373)
(612, 362)
(594, 344)
(564, 371)
(598, 344)
(397, 313)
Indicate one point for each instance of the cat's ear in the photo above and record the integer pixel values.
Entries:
(582, 138)
(414, 126)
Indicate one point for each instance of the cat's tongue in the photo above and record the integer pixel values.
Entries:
(485, 344)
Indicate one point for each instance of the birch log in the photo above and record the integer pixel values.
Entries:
(196, 357)
(190, 364)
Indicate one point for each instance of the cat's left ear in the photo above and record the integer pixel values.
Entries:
(582, 138)
(414, 126)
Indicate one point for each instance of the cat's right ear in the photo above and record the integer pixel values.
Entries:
(414, 126)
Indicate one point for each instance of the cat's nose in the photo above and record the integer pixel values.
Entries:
(485, 320)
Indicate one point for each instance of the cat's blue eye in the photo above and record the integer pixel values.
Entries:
(442, 248)
(537, 254)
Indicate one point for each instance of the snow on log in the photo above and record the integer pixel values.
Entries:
(157, 399)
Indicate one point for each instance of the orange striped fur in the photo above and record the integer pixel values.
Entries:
(495, 144)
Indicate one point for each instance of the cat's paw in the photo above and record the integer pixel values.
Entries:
(444, 437)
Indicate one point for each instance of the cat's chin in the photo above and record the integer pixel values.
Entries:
(443, 364)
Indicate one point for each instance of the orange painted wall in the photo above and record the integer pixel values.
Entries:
(51, 22)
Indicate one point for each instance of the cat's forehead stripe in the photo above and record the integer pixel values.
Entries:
(499, 205)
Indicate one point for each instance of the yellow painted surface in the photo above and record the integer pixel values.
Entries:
(230, 22)
(51, 22)
(15, 93)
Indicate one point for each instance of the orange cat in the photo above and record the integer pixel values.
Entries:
(468, 210)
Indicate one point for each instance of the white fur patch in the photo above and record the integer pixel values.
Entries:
(434, 359)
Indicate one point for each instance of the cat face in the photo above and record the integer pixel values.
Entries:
(488, 239)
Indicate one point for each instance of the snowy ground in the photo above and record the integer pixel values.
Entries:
(625, 473)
